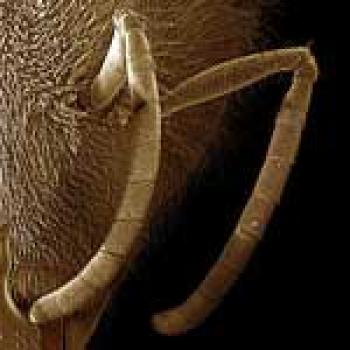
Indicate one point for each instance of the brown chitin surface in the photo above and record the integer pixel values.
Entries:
(15, 333)
(61, 167)
(13, 337)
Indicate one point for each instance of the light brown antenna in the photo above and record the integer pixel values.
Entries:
(143, 131)
(212, 83)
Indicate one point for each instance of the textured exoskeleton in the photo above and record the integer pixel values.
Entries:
(105, 108)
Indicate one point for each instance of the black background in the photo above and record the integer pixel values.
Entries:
(286, 287)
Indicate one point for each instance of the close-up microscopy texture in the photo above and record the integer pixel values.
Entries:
(114, 116)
